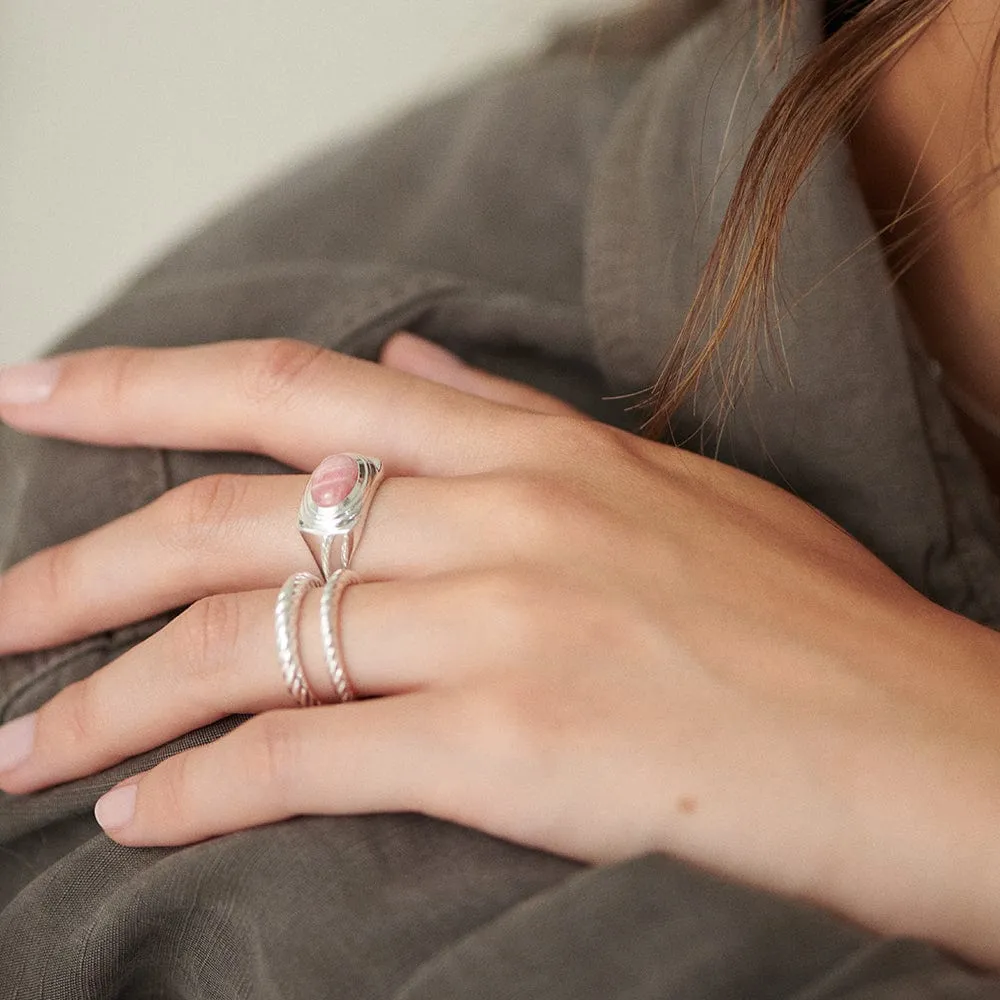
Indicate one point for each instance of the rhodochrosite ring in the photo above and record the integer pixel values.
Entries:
(335, 506)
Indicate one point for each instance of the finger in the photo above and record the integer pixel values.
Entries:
(364, 757)
(284, 398)
(212, 535)
(408, 353)
(219, 658)
(225, 534)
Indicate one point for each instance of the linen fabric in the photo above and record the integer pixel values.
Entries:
(547, 223)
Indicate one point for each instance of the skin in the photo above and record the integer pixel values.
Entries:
(573, 663)
(920, 143)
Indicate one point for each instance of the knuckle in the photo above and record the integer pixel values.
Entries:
(520, 493)
(601, 445)
(276, 756)
(586, 434)
(58, 575)
(529, 508)
(274, 369)
(119, 365)
(542, 514)
(210, 631)
(533, 616)
(560, 435)
(175, 784)
(505, 724)
(79, 718)
(200, 513)
(512, 601)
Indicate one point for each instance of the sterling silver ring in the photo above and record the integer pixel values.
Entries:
(333, 532)
(287, 613)
(329, 618)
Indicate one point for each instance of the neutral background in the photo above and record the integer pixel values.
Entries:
(122, 122)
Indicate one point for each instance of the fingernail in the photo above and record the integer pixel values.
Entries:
(333, 480)
(116, 808)
(30, 383)
(17, 739)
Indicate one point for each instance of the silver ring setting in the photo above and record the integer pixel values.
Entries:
(332, 533)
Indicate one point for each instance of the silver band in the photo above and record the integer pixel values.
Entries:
(332, 533)
(329, 620)
(287, 613)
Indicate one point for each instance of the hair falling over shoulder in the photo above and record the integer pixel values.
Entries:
(734, 300)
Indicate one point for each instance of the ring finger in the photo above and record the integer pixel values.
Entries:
(219, 658)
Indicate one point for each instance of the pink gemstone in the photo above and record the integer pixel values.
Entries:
(333, 480)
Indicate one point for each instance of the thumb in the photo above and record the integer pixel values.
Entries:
(408, 353)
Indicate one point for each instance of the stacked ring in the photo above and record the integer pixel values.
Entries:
(329, 619)
(287, 615)
(331, 531)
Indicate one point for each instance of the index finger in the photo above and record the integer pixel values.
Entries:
(285, 398)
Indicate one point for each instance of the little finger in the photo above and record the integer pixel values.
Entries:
(366, 757)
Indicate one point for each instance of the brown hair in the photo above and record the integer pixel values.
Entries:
(734, 295)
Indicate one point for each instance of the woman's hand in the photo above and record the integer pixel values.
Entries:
(569, 637)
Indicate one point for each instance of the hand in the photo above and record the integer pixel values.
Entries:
(569, 637)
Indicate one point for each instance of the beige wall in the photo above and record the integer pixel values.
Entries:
(124, 121)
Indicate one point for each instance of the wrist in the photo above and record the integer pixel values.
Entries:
(923, 851)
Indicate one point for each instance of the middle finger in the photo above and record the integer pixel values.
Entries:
(226, 533)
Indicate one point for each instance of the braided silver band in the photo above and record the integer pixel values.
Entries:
(329, 620)
(287, 614)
